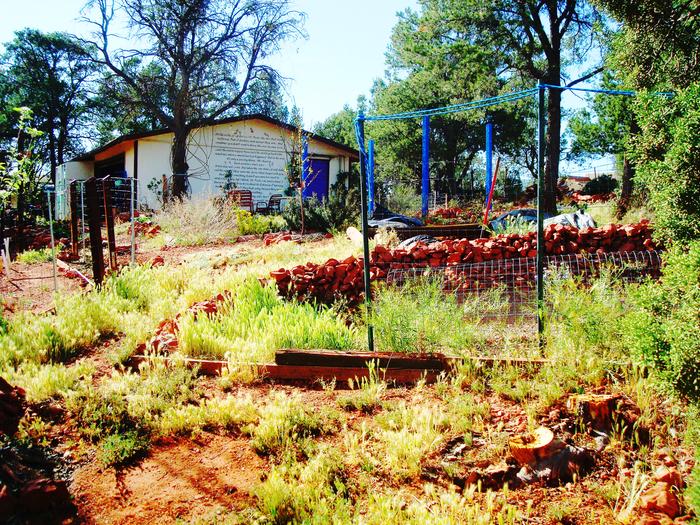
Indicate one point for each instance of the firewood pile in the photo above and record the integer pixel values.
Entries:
(337, 279)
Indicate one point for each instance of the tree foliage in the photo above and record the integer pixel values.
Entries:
(659, 45)
(49, 73)
(434, 60)
(203, 55)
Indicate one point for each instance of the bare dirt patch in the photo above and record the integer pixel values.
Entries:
(184, 479)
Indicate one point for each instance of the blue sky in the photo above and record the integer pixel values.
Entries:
(343, 54)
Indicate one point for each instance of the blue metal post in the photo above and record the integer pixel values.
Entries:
(304, 167)
(370, 178)
(489, 155)
(365, 228)
(425, 181)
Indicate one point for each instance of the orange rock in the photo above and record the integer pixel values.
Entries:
(655, 519)
(660, 498)
(669, 475)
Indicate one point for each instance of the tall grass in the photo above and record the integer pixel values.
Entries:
(197, 221)
(255, 322)
(420, 317)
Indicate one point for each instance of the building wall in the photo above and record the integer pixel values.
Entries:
(254, 151)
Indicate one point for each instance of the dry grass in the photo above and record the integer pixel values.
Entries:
(197, 221)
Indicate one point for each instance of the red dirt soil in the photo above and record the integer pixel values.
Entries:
(184, 479)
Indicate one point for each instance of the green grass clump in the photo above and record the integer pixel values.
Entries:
(406, 435)
(209, 414)
(420, 317)
(314, 492)
(369, 395)
(42, 382)
(125, 409)
(284, 420)
(35, 256)
(255, 322)
(249, 223)
(120, 449)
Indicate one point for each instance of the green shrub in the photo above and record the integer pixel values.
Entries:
(249, 224)
(403, 198)
(35, 256)
(340, 210)
(664, 328)
(120, 449)
(420, 317)
(666, 153)
(602, 184)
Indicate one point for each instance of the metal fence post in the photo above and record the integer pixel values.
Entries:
(365, 229)
(74, 235)
(95, 228)
(133, 223)
(82, 213)
(109, 221)
(425, 177)
(53, 242)
(540, 211)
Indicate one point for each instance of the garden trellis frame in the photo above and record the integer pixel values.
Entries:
(366, 171)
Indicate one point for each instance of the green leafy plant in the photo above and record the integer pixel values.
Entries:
(602, 184)
(663, 330)
(249, 223)
(119, 449)
(35, 256)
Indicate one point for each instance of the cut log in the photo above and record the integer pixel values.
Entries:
(392, 361)
(596, 409)
(533, 446)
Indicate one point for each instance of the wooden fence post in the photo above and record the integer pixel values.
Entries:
(95, 228)
(74, 240)
(109, 221)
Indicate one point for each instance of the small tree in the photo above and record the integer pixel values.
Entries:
(19, 172)
(203, 54)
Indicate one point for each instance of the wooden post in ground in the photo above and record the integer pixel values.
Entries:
(74, 236)
(109, 221)
(95, 229)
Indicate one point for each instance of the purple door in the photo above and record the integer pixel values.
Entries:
(317, 179)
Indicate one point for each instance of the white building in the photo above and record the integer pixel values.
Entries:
(254, 149)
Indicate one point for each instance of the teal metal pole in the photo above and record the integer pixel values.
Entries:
(540, 210)
(365, 228)
(489, 157)
(370, 177)
(425, 179)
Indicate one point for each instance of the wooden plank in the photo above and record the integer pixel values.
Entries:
(457, 231)
(342, 374)
(297, 373)
(392, 360)
(95, 228)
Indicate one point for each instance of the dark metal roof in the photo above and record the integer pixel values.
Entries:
(90, 155)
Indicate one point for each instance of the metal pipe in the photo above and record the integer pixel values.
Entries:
(133, 225)
(540, 210)
(489, 154)
(53, 242)
(365, 230)
(370, 177)
(425, 179)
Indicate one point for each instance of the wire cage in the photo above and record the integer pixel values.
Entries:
(513, 281)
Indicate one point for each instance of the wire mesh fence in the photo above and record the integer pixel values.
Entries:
(509, 285)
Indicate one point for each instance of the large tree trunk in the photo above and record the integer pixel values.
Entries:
(52, 149)
(628, 172)
(553, 150)
(178, 155)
